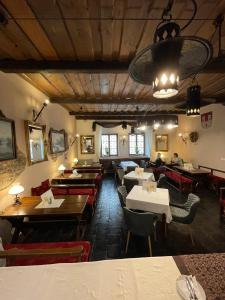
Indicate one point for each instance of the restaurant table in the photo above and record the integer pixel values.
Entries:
(127, 279)
(193, 172)
(81, 178)
(73, 206)
(143, 177)
(156, 202)
(133, 279)
(126, 163)
(93, 166)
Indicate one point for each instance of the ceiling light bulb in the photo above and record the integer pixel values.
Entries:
(164, 79)
(156, 126)
(172, 78)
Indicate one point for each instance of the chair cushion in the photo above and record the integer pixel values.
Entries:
(49, 259)
(178, 214)
(37, 191)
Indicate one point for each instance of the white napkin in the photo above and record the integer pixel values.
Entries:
(184, 291)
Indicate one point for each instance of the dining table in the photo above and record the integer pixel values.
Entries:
(141, 177)
(89, 167)
(71, 207)
(69, 178)
(127, 279)
(124, 164)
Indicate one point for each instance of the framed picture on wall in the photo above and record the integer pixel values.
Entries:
(36, 142)
(87, 144)
(57, 139)
(161, 142)
(7, 139)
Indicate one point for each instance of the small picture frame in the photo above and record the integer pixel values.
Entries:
(7, 139)
(57, 139)
(87, 144)
(161, 142)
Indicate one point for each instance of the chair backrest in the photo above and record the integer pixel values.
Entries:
(161, 181)
(122, 193)
(5, 231)
(129, 183)
(114, 165)
(130, 169)
(191, 206)
(142, 163)
(120, 173)
(139, 223)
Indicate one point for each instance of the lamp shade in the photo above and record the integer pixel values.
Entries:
(16, 189)
(61, 168)
(75, 160)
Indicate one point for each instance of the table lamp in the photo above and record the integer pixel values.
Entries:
(75, 161)
(62, 168)
(16, 189)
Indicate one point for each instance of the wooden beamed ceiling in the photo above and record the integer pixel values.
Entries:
(77, 51)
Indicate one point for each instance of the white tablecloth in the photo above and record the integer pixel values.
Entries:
(127, 163)
(125, 279)
(145, 176)
(156, 202)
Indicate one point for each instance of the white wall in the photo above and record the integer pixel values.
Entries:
(18, 98)
(209, 150)
(84, 127)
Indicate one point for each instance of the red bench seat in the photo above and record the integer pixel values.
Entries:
(184, 182)
(49, 259)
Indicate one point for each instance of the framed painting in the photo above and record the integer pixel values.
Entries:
(7, 139)
(87, 144)
(36, 142)
(57, 140)
(161, 142)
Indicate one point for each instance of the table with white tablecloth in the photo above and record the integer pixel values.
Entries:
(140, 177)
(125, 279)
(156, 202)
(127, 163)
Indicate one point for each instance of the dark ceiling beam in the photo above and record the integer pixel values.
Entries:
(139, 114)
(34, 66)
(165, 118)
(118, 101)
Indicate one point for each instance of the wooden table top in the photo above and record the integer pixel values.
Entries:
(72, 205)
(84, 176)
(88, 166)
(194, 171)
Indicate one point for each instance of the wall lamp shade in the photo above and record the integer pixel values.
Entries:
(61, 168)
(16, 189)
(75, 161)
(193, 101)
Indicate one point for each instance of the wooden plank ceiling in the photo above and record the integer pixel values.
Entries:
(107, 30)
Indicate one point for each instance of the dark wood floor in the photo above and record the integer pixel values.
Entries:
(107, 231)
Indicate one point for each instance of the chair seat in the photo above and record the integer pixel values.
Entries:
(179, 214)
(49, 259)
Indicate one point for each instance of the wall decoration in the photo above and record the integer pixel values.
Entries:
(57, 139)
(194, 136)
(206, 119)
(87, 145)
(11, 169)
(161, 142)
(7, 139)
(36, 142)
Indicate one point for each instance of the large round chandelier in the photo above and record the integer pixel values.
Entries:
(171, 57)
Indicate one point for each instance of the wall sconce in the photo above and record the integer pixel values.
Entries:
(123, 139)
(184, 137)
(76, 139)
(37, 115)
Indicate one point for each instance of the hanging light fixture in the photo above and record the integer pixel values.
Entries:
(171, 57)
(193, 101)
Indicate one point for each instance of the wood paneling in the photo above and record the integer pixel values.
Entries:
(97, 39)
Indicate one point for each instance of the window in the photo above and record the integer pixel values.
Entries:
(136, 144)
(109, 145)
